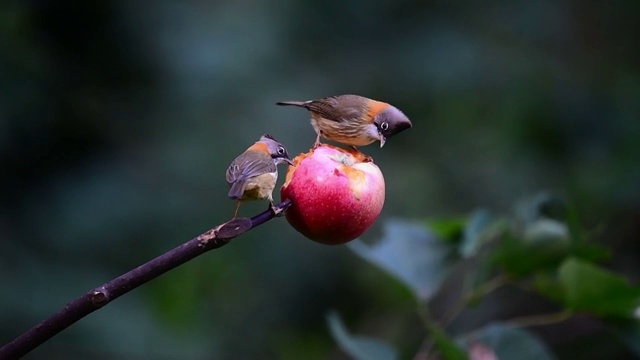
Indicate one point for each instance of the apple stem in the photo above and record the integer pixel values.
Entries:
(102, 295)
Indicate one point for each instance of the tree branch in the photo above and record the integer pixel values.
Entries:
(104, 294)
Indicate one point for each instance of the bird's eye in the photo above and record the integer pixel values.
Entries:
(384, 126)
(281, 150)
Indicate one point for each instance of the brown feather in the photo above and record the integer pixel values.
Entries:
(247, 165)
(342, 108)
(352, 119)
(339, 108)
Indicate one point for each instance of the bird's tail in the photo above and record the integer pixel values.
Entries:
(292, 103)
(237, 190)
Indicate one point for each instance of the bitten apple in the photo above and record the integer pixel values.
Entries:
(337, 194)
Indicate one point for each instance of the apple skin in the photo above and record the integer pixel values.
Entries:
(336, 194)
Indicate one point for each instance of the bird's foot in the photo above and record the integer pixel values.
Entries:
(317, 142)
(277, 212)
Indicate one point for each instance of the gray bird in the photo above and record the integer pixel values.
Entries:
(253, 174)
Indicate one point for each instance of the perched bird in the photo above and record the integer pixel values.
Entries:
(253, 174)
(353, 120)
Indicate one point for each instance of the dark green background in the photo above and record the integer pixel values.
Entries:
(119, 118)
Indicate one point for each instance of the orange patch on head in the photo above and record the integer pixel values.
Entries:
(375, 108)
(259, 146)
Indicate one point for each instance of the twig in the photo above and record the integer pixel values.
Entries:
(480, 292)
(433, 327)
(540, 320)
(104, 294)
(531, 320)
(427, 344)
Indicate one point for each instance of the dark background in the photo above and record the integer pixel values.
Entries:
(119, 118)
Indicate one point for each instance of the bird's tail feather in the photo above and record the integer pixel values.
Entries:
(292, 103)
(236, 191)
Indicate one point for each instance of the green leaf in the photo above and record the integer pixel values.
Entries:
(547, 284)
(450, 230)
(519, 258)
(590, 288)
(506, 342)
(359, 347)
(590, 252)
(472, 237)
(544, 233)
(412, 254)
(445, 345)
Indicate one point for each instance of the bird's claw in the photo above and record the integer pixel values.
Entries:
(277, 212)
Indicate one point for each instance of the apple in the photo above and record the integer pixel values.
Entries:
(336, 194)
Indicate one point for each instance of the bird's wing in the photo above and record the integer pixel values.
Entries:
(249, 164)
(341, 108)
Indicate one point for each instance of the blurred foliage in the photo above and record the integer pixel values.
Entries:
(119, 118)
(579, 287)
(359, 347)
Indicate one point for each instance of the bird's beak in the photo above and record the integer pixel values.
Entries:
(288, 161)
(382, 140)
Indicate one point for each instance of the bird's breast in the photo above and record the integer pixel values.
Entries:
(355, 132)
(260, 187)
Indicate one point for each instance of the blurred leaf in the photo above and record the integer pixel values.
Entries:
(577, 232)
(537, 242)
(547, 284)
(596, 290)
(541, 205)
(450, 230)
(411, 253)
(507, 343)
(544, 247)
(519, 258)
(445, 345)
(473, 231)
(590, 252)
(546, 230)
(359, 347)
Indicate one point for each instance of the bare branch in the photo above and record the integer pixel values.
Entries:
(104, 294)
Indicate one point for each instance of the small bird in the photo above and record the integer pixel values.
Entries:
(253, 174)
(352, 119)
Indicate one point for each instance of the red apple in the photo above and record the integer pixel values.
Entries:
(337, 194)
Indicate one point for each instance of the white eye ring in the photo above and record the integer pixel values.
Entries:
(281, 150)
(384, 126)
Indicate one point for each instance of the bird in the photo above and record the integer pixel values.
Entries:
(253, 174)
(352, 119)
